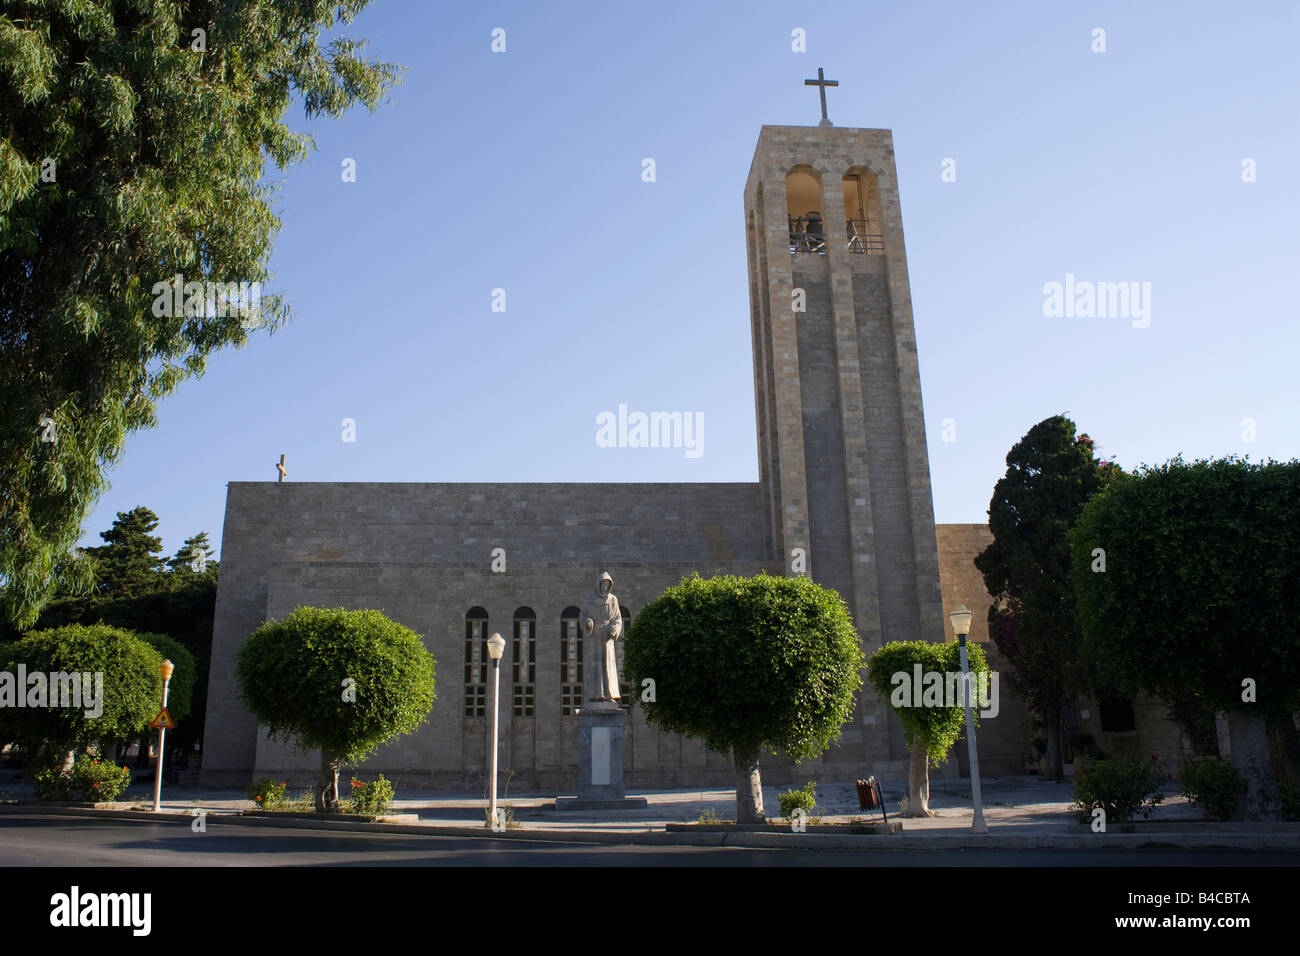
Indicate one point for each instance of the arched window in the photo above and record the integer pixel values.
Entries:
(803, 206)
(862, 212)
(523, 659)
(477, 662)
(570, 662)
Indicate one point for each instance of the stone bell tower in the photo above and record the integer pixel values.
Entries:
(843, 467)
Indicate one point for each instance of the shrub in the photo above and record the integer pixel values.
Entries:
(180, 692)
(268, 794)
(91, 779)
(1213, 786)
(130, 685)
(95, 779)
(371, 798)
(50, 783)
(1121, 785)
(805, 799)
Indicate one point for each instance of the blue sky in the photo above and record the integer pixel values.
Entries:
(522, 171)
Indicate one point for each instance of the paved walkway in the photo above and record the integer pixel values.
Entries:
(1028, 805)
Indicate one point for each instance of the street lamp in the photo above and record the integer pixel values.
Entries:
(165, 672)
(961, 618)
(496, 647)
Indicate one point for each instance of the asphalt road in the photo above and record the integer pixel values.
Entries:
(70, 841)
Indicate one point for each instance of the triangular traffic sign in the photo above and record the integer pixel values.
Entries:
(163, 721)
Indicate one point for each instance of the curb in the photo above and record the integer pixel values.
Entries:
(915, 840)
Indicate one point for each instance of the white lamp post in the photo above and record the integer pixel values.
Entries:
(165, 672)
(961, 617)
(496, 647)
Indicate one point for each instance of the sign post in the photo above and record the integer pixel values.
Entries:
(162, 722)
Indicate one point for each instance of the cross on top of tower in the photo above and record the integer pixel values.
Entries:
(822, 83)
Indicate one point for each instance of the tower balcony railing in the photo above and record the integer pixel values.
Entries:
(862, 240)
(807, 234)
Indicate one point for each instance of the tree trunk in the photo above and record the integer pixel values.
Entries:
(327, 784)
(1244, 741)
(918, 783)
(69, 758)
(749, 787)
(1055, 765)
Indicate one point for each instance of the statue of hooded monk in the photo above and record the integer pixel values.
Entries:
(602, 625)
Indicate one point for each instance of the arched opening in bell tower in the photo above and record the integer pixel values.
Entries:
(803, 207)
(862, 212)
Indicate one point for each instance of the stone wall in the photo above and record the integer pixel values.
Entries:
(1003, 740)
(424, 549)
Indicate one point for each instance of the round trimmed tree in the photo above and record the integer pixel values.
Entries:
(747, 664)
(343, 682)
(933, 719)
(1187, 576)
(118, 708)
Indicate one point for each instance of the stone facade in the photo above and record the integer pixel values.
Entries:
(844, 488)
(1004, 739)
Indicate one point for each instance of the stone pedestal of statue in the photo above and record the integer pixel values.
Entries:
(601, 736)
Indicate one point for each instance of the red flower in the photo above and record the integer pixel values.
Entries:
(95, 785)
(282, 783)
(259, 799)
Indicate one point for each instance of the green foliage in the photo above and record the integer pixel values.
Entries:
(268, 794)
(194, 559)
(748, 663)
(180, 692)
(293, 675)
(132, 689)
(50, 783)
(805, 799)
(95, 779)
(129, 564)
(183, 611)
(374, 798)
(1122, 785)
(937, 728)
(91, 780)
(1050, 474)
(160, 153)
(1212, 785)
(1202, 570)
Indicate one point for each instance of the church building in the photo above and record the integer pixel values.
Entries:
(843, 495)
